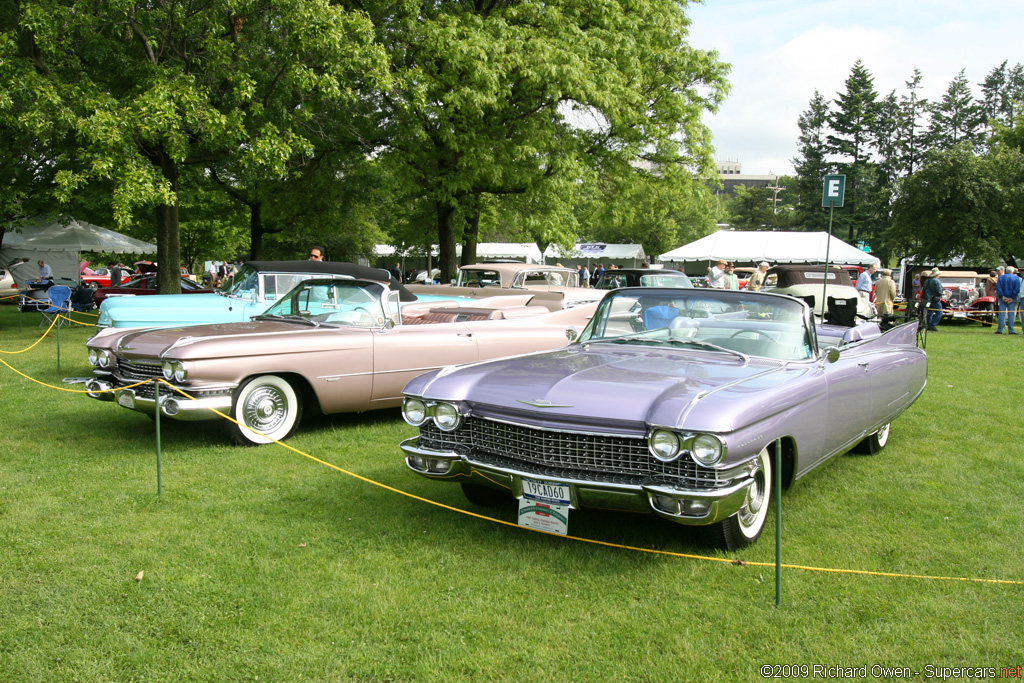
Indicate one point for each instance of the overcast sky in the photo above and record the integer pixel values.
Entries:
(782, 51)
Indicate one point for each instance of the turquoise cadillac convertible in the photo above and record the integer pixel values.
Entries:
(254, 289)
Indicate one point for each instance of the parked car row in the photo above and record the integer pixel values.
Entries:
(661, 398)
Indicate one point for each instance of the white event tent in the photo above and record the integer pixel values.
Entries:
(598, 251)
(485, 251)
(754, 246)
(59, 242)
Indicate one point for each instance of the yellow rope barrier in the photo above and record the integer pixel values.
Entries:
(706, 558)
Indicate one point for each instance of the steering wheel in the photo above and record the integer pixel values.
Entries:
(475, 283)
(755, 333)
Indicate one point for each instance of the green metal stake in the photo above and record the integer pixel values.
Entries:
(157, 401)
(778, 522)
(58, 344)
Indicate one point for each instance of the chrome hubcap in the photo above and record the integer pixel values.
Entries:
(265, 409)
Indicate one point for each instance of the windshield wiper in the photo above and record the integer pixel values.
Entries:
(708, 345)
(287, 318)
(645, 338)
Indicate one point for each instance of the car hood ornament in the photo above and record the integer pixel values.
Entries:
(542, 403)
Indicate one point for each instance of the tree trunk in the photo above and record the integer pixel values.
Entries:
(256, 231)
(446, 241)
(470, 237)
(168, 247)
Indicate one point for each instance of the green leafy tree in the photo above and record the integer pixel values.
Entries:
(134, 92)
(503, 99)
(962, 204)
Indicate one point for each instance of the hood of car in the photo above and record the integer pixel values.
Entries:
(177, 309)
(232, 340)
(624, 384)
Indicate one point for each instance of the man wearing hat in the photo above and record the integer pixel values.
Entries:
(716, 275)
(1007, 293)
(931, 295)
(885, 293)
(756, 281)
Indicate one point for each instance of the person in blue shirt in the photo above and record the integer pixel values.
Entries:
(1007, 293)
(865, 283)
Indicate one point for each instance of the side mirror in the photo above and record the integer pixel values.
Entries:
(571, 333)
(831, 354)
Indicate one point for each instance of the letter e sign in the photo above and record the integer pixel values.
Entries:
(835, 188)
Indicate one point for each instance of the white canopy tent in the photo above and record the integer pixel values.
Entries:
(597, 251)
(59, 242)
(752, 247)
(523, 251)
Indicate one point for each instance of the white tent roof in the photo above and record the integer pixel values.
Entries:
(585, 250)
(59, 241)
(774, 247)
(68, 234)
(527, 251)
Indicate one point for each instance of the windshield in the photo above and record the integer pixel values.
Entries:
(747, 323)
(613, 279)
(469, 277)
(350, 303)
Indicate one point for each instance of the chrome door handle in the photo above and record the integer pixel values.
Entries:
(465, 334)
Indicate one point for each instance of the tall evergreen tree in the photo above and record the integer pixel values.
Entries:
(852, 122)
(811, 165)
(956, 118)
(912, 135)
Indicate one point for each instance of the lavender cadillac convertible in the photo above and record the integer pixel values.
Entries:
(333, 345)
(669, 403)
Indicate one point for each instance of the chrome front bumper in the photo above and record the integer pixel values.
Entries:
(174, 406)
(683, 506)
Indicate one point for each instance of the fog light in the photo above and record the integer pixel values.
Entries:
(440, 466)
(170, 407)
(665, 504)
(696, 508)
(416, 462)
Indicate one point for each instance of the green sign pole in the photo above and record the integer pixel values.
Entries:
(828, 245)
(832, 195)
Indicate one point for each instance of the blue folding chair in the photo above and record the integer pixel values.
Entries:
(59, 297)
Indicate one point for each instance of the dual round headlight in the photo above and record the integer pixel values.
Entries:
(667, 446)
(445, 415)
(101, 358)
(174, 370)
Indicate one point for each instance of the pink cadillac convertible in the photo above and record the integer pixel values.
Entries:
(333, 345)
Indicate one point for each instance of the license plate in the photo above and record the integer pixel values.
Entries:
(553, 492)
(959, 314)
(126, 399)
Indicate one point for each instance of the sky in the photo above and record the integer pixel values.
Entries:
(782, 51)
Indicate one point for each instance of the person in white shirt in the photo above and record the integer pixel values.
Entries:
(716, 275)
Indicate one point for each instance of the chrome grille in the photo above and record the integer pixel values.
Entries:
(590, 457)
(138, 370)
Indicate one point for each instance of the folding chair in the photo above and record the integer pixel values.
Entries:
(841, 312)
(83, 298)
(59, 297)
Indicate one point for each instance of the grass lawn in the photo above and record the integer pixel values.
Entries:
(259, 564)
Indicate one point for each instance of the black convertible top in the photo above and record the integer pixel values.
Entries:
(331, 268)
